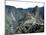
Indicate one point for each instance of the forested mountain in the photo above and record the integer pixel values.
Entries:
(19, 20)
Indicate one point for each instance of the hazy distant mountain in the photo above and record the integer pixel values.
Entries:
(21, 10)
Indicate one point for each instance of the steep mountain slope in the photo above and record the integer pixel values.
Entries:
(18, 20)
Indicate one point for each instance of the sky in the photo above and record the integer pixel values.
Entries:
(23, 4)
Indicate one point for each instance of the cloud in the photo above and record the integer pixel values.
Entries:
(23, 4)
